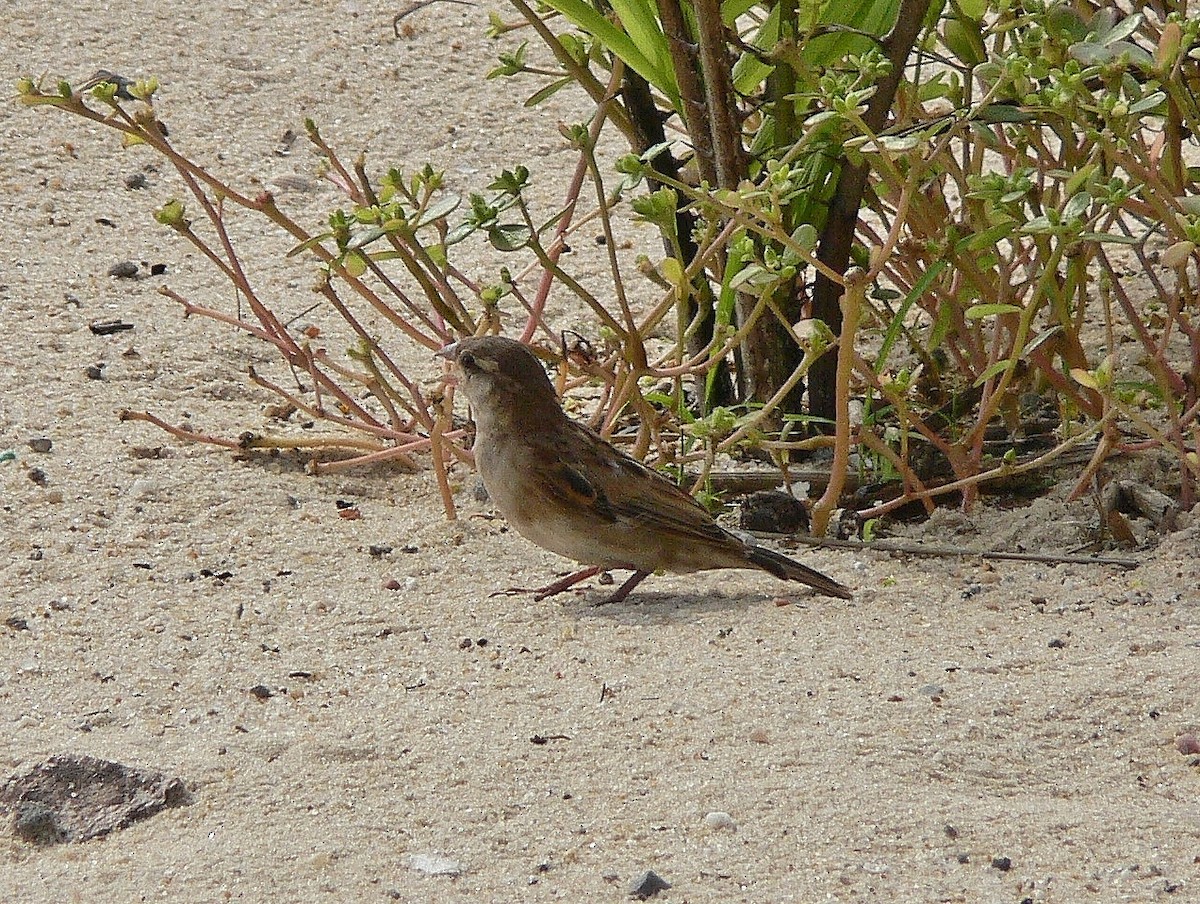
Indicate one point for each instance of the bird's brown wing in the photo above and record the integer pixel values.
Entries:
(619, 488)
(570, 487)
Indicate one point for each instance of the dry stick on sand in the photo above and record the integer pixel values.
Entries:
(915, 549)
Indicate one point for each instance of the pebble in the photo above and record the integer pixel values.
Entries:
(434, 865)
(41, 444)
(1188, 744)
(123, 270)
(147, 488)
(647, 884)
(35, 823)
(773, 512)
(720, 820)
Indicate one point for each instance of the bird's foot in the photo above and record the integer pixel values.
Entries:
(566, 583)
(625, 589)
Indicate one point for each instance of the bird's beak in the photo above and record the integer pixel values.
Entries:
(450, 353)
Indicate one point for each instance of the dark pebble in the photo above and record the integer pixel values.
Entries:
(41, 444)
(94, 371)
(773, 512)
(1004, 864)
(108, 327)
(70, 798)
(134, 181)
(124, 270)
(376, 550)
(16, 623)
(262, 692)
(1057, 643)
(647, 885)
(38, 476)
(35, 823)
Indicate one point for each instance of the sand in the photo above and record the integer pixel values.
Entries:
(959, 731)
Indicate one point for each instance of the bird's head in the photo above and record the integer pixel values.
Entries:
(502, 377)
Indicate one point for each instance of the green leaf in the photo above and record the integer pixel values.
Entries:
(1077, 206)
(897, 323)
(1090, 53)
(439, 210)
(964, 38)
(1080, 177)
(979, 311)
(460, 232)
(310, 243)
(355, 264)
(437, 254)
(998, 367)
(1002, 113)
(365, 237)
(640, 20)
(1148, 103)
(672, 271)
(1122, 29)
(731, 10)
(989, 238)
(548, 91)
(1084, 378)
(972, 9)
(1112, 238)
(941, 327)
(1043, 337)
(806, 236)
(749, 71)
(624, 44)
(1038, 226)
(512, 237)
(751, 273)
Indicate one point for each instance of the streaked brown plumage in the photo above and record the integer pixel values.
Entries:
(564, 488)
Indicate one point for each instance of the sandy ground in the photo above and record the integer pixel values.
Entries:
(895, 747)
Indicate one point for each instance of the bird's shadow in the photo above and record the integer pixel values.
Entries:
(663, 606)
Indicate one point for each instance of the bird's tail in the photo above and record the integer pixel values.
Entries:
(790, 570)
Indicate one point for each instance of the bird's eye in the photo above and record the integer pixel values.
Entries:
(466, 359)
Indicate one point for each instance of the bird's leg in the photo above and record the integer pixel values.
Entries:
(540, 593)
(625, 589)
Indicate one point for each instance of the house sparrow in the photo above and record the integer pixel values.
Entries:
(566, 489)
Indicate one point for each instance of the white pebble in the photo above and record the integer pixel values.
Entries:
(720, 821)
(434, 865)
